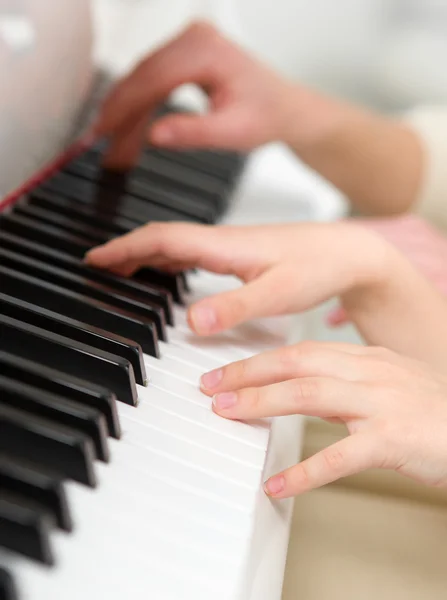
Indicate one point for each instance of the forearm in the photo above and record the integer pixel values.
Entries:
(403, 312)
(377, 162)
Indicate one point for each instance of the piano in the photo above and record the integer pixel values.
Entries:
(116, 478)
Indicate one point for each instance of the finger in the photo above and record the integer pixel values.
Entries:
(193, 245)
(323, 397)
(226, 310)
(337, 317)
(189, 58)
(308, 359)
(218, 129)
(125, 147)
(351, 455)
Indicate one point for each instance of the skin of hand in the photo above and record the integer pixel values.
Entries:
(423, 245)
(394, 408)
(377, 162)
(291, 268)
(249, 103)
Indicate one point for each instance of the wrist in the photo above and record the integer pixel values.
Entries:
(372, 264)
(314, 122)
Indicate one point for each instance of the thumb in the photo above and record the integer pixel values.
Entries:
(223, 311)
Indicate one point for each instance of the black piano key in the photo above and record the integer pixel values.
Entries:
(22, 480)
(45, 234)
(83, 309)
(139, 184)
(59, 449)
(64, 206)
(106, 199)
(8, 590)
(64, 354)
(158, 168)
(220, 166)
(18, 394)
(58, 382)
(173, 282)
(47, 217)
(76, 330)
(189, 205)
(25, 529)
(77, 247)
(86, 287)
(143, 292)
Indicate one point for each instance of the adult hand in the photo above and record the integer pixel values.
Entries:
(248, 101)
(394, 408)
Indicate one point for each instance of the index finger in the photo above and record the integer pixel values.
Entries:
(201, 246)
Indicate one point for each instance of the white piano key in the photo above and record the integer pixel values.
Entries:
(175, 368)
(226, 339)
(210, 440)
(181, 504)
(256, 433)
(237, 433)
(216, 346)
(174, 484)
(190, 356)
(140, 520)
(162, 462)
(189, 454)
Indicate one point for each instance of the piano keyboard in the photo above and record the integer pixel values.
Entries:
(116, 478)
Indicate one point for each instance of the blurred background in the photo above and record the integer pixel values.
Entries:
(386, 53)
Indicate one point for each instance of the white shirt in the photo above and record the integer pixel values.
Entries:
(430, 123)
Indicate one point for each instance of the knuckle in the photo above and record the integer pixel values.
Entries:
(302, 479)
(238, 371)
(305, 390)
(288, 357)
(203, 29)
(236, 307)
(252, 398)
(334, 460)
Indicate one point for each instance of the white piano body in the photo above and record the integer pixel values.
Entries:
(179, 512)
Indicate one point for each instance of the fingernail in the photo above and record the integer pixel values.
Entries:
(275, 485)
(204, 319)
(225, 401)
(211, 380)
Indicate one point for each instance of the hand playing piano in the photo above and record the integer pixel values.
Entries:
(248, 101)
(394, 409)
(291, 268)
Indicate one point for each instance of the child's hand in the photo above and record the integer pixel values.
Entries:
(290, 269)
(395, 409)
(423, 246)
(285, 268)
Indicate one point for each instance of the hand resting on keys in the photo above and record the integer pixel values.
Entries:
(394, 407)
